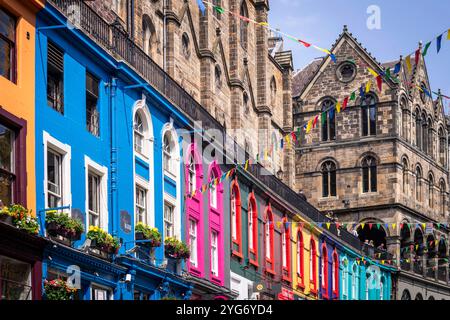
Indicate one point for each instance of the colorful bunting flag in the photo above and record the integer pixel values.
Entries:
(338, 107)
(380, 83)
(219, 9)
(425, 50)
(408, 63)
(332, 113)
(368, 85)
(448, 34)
(315, 121)
(201, 6)
(353, 96)
(308, 128)
(306, 44)
(373, 72)
(345, 103)
(439, 43)
(417, 56)
(323, 117)
(397, 68)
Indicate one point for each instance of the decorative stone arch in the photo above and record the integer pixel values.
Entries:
(361, 158)
(322, 99)
(150, 40)
(326, 159)
(406, 295)
(371, 231)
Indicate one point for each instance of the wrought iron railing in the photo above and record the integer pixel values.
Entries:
(123, 48)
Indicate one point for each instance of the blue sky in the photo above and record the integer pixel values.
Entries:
(403, 24)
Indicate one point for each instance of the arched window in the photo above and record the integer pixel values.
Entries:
(442, 147)
(139, 132)
(418, 184)
(268, 240)
(273, 91)
(418, 129)
(194, 211)
(406, 295)
(424, 133)
(405, 176)
(169, 156)
(355, 282)
(218, 78)
(236, 232)
(430, 148)
(185, 46)
(335, 274)
(430, 190)
(367, 284)
(443, 196)
(286, 249)
(345, 279)
(329, 122)
(252, 230)
(328, 179)
(324, 271)
(369, 115)
(215, 224)
(300, 257)
(313, 265)
(244, 25)
(245, 103)
(404, 109)
(172, 171)
(369, 174)
(149, 43)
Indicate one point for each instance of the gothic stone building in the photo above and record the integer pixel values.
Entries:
(235, 69)
(382, 160)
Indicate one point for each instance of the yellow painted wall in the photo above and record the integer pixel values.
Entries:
(19, 98)
(307, 234)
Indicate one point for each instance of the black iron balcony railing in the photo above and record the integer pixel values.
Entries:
(118, 43)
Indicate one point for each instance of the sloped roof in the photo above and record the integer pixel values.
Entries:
(301, 78)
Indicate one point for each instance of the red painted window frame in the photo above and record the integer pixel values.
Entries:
(325, 283)
(270, 266)
(336, 273)
(313, 276)
(254, 251)
(238, 241)
(286, 271)
(300, 259)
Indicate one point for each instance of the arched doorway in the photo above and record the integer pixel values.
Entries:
(373, 235)
(419, 297)
(431, 255)
(442, 255)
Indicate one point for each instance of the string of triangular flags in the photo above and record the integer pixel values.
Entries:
(353, 225)
(220, 10)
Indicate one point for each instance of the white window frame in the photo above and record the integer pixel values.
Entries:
(299, 256)
(95, 286)
(355, 282)
(215, 253)
(102, 173)
(65, 151)
(140, 105)
(251, 245)
(267, 240)
(170, 205)
(233, 215)
(140, 185)
(193, 259)
(213, 192)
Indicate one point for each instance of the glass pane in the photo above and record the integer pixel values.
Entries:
(6, 194)
(15, 279)
(6, 149)
(5, 59)
(93, 192)
(7, 25)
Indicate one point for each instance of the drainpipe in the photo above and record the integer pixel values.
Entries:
(114, 203)
(164, 35)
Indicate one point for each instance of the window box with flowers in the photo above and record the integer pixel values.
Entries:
(175, 249)
(19, 217)
(63, 228)
(103, 244)
(149, 236)
(58, 289)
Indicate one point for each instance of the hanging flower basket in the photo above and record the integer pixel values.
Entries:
(20, 217)
(58, 290)
(175, 249)
(6, 216)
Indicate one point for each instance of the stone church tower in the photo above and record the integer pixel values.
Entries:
(236, 70)
(381, 161)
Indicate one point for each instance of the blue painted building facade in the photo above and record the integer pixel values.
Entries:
(100, 136)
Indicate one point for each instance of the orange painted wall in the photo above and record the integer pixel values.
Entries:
(19, 98)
